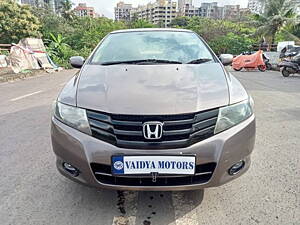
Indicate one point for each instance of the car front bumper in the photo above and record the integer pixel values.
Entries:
(225, 149)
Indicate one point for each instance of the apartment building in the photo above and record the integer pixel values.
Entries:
(211, 10)
(244, 12)
(160, 12)
(37, 3)
(183, 4)
(83, 10)
(53, 5)
(122, 11)
(256, 6)
(231, 12)
(208, 10)
(189, 11)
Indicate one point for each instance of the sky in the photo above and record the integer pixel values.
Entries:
(106, 7)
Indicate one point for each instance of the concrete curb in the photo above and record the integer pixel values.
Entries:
(9, 77)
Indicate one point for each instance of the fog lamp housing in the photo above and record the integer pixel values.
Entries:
(236, 168)
(71, 169)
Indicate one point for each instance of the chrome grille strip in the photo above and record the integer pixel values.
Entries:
(178, 130)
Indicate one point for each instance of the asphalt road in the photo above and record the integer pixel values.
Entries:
(32, 191)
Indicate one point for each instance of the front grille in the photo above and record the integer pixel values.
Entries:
(126, 131)
(103, 174)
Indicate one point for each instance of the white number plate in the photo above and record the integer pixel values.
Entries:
(153, 164)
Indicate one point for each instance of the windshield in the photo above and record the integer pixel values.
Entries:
(181, 47)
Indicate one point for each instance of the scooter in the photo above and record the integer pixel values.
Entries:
(288, 52)
(247, 61)
(267, 62)
(291, 66)
(265, 58)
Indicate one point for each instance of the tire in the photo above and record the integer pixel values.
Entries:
(237, 69)
(269, 66)
(262, 68)
(285, 72)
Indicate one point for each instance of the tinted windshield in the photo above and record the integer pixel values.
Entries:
(159, 45)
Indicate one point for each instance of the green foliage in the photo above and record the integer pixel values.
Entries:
(68, 35)
(232, 44)
(295, 30)
(16, 22)
(278, 16)
(180, 22)
(4, 52)
(58, 50)
(89, 31)
(78, 36)
(288, 33)
(223, 36)
(57, 45)
(66, 9)
(52, 23)
(140, 24)
(211, 28)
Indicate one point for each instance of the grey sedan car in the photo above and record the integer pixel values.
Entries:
(153, 109)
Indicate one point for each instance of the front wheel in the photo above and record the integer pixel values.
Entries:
(285, 72)
(238, 69)
(269, 66)
(262, 68)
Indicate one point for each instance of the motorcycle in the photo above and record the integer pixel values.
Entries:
(251, 61)
(291, 66)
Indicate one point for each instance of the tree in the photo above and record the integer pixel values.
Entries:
(222, 35)
(289, 33)
(65, 9)
(278, 15)
(231, 44)
(134, 17)
(17, 22)
(140, 24)
(180, 22)
(53, 23)
(296, 31)
(210, 29)
(94, 30)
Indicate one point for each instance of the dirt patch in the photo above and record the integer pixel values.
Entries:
(7, 75)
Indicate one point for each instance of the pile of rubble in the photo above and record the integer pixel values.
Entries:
(29, 54)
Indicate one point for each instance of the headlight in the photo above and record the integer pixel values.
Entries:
(72, 116)
(232, 115)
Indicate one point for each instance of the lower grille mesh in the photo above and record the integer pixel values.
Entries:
(103, 175)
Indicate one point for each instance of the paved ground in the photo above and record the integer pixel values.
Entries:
(32, 191)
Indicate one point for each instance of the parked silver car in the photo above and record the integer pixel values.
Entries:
(153, 109)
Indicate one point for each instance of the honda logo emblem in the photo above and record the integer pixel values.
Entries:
(153, 130)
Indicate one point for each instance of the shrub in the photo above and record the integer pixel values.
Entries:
(231, 44)
(17, 22)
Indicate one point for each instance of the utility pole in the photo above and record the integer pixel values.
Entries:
(171, 10)
(166, 14)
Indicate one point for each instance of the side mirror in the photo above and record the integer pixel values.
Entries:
(77, 61)
(226, 59)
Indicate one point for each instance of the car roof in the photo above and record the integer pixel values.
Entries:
(151, 29)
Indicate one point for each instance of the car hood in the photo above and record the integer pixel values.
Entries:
(152, 89)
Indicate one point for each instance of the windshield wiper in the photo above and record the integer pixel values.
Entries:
(199, 61)
(141, 61)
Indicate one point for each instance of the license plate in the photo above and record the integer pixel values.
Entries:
(179, 165)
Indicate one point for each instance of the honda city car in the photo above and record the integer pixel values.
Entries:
(153, 109)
